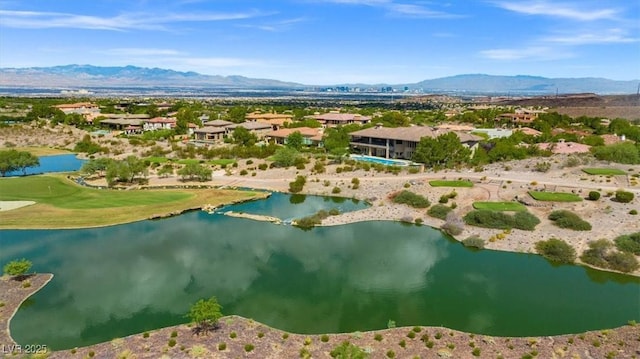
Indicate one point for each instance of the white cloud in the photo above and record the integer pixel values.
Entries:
(122, 22)
(611, 36)
(564, 10)
(398, 9)
(533, 53)
(276, 26)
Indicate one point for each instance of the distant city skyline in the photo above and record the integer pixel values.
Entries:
(322, 42)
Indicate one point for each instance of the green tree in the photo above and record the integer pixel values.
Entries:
(394, 119)
(336, 141)
(13, 160)
(624, 152)
(244, 137)
(98, 165)
(285, 157)
(195, 171)
(17, 268)
(237, 114)
(8, 161)
(205, 313)
(295, 140)
(166, 170)
(444, 150)
(183, 118)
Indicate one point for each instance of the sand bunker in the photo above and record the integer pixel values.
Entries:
(9, 205)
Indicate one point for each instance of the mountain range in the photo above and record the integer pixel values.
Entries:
(132, 76)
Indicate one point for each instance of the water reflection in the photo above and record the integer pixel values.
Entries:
(125, 279)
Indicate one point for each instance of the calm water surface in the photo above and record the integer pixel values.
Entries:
(57, 163)
(119, 280)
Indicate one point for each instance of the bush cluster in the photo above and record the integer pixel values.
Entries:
(629, 243)
(569, 220)
(411, 199)
(439, 211)
(593, 196)
(473, 242)
(315, 219)
(297, 185)
(600, 254)
(556, 250)
(500, 220)
(624, 196)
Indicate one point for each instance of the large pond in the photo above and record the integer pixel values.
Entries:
(56, 163)
(114, 281)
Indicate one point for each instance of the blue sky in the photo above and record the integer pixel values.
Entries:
(330, 41)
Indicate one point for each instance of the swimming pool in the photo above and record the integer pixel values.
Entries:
(380, 160)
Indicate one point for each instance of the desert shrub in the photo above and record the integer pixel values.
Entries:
(347, 350)
(324, 338)
(311, 221)
(622, 261)
(391, 354)
(474, 242)
(243, 172)
(222, 346)
(629, 243)
(476, 352)
(542, 166)
(263, 166)
(572, 161)
(174, 334)
(378, 337)
(297, 185)
(319, 167)
(593, 196)
(443, 199)
(556, 250)
(248, 347)
(418, 221)
(633, 212)
(501, 220)
(260, 335)
(233, 335)
(569, 220)
(411, 335)
(411, 199)
(454, 225)
(439, 211)
(624, 196)
(334, 212)
(172, 342)
(336, 190)
(145, 335)
(596, 255)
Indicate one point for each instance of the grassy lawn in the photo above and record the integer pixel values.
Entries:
(555, 196)
(61, 203)
(500, 206)
(41, 151)
(161, 160)
(604, 171)
(439, 183)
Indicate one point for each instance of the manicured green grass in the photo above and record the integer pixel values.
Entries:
(555, 196)
(440, 183)
(604, 171)
(60, 193)
(500, 206)
(61, 203)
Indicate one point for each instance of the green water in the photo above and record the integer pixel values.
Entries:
(115, 281)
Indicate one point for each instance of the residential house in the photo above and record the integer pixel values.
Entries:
(276, 120)
(492, 133)
(528, 131)
(564, 147)
(455, 127)
(210, 134)
(520, 116)
(312, 136)
(333, 119)
(82, 108)
(400, 142)
(260, 129)
(217, 123)
(159, 123)
(122, 121)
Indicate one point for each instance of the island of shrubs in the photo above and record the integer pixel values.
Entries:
(501, 220)
(569, 220)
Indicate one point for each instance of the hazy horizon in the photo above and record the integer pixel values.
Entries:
(324, 42)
